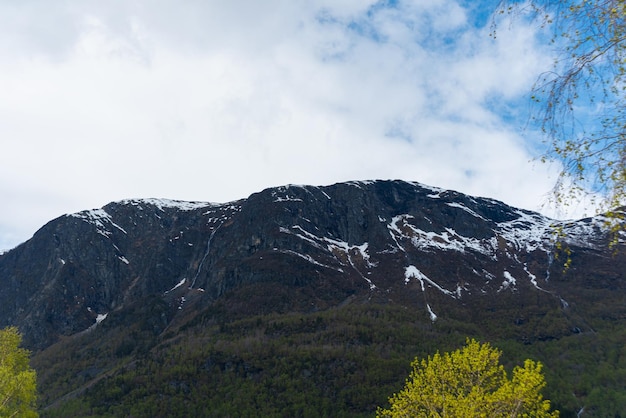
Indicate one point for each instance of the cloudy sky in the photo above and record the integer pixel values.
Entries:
(215, 100)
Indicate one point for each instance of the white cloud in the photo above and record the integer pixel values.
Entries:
(216, 100)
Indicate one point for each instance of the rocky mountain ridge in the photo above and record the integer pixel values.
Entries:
(317, 246)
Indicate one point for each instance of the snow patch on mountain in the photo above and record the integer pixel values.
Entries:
(288, 194)
(100, 219)
(528, 232)
(359, 183)
(101, 317)
(433, 316)
(355, 256)
(582, 232)
(508, 283)
(179, 284)
(163, 204)
(412, 272)
(466, 209)
(447, 240)
(309, 259)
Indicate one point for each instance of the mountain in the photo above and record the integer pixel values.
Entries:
(162, 268)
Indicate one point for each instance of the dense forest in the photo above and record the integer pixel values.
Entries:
(345, 361)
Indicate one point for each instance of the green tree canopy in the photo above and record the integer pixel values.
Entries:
(470, 382)
(580, 102)
(18, 386)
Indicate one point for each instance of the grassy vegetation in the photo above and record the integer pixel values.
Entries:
(338, 362)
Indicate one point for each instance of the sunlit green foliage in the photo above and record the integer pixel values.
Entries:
(17, 380)
(470, 382)
(581, 101)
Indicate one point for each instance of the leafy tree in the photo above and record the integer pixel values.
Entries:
(470, 382)
(17, 380)
(581, 101)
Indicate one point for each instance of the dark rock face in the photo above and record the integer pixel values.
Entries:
(305, 248)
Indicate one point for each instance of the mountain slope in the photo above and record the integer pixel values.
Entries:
(392, 239)
(156, 268)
